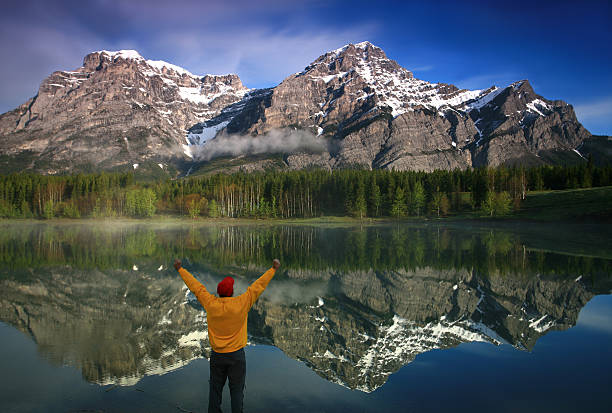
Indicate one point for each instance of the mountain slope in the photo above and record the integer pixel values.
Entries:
(119, 109)
(116, 330)
(380, 116)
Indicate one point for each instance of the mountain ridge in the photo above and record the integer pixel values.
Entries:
(119, 110)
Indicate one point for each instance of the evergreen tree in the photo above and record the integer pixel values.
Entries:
(374, 198)
(398, 208)
(503, 203)
(480, 187)
(6, 209)
(488, 206)
(417, 199)
(439, 204)
(360, 205)
(497, 204)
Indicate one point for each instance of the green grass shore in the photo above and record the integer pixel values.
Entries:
(591, 203)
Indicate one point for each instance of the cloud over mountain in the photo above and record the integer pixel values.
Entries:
(276, 141)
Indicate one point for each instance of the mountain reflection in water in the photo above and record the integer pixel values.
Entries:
(354, 304)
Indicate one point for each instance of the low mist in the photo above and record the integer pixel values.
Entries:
(276, 141)
(279, 291)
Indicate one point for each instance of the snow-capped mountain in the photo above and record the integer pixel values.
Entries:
(380, 116)
(117, 109)
(388, 83)
(356, 337)
(378, 321)
(120, 109)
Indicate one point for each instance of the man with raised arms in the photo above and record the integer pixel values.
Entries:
(227, 332)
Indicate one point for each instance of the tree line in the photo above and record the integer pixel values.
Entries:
(290, 194)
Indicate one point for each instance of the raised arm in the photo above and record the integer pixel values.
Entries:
(258, 287)
(194, 285)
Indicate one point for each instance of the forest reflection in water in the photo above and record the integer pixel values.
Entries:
(381, 247)
(353, 303)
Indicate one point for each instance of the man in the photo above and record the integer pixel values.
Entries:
(227, 332)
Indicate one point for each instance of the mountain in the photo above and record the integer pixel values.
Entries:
(118, 109)
(120, 326)
(378, 321)
(121, 111)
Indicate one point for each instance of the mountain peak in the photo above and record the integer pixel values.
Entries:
(523, 86)
(354, 47)
(97, 60)
(354, 93)
(383, 80)
(365, 44)
(124, 54)
(351, 56)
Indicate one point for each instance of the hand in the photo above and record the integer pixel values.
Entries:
(275, 264)
(177, 264)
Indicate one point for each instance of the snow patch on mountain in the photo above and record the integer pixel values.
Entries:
(404, 340)
(539, 106)
(329, 78)
(484, 99)
(193, 339)
(158, 66)
(362, 45)
(400, 343)
(540, 325)
(174, 77)
(150, 367)
(393, 86)
(201, 95)
(207, 133)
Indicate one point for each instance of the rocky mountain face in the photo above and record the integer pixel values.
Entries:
(119, 109)
(374, 323)
(118, 326)
(380, 116)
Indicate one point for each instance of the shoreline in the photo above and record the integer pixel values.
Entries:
(316, 221)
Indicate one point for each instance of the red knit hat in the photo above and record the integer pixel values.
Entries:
(226, 287)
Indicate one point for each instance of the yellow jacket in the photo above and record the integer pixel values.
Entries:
(227, 316)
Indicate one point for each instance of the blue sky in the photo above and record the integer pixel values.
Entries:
(562, 47)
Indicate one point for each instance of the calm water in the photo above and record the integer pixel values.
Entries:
(398, 317)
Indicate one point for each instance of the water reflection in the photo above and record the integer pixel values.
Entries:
(354, 304)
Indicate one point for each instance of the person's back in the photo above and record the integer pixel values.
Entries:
(227, 318)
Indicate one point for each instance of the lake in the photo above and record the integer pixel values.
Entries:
(395, 317)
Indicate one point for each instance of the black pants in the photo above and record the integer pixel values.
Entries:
(223, 366)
